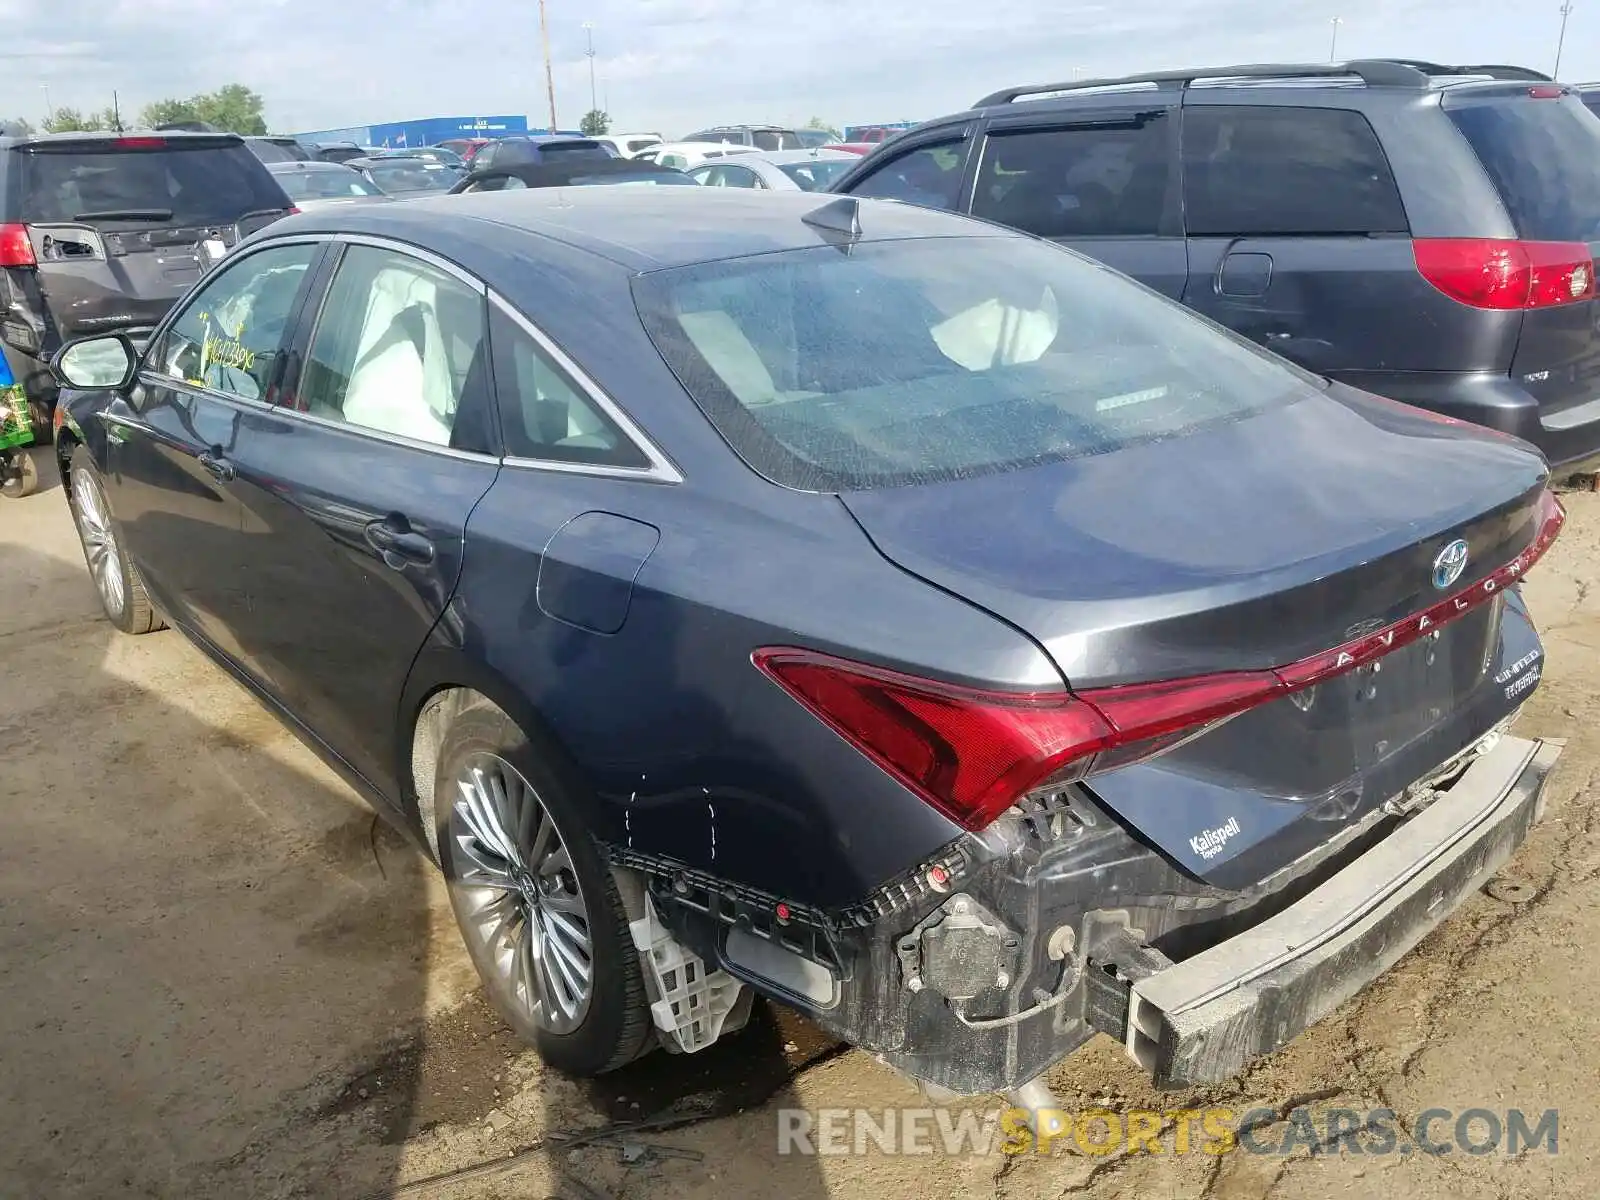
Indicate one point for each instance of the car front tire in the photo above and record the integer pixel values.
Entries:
(536, 903)
(116, 580)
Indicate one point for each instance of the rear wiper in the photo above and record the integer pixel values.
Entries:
(126, 214)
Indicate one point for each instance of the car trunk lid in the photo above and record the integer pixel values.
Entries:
(1347, 551)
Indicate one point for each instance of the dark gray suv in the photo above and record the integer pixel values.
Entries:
(101, 232)
(1420, 231)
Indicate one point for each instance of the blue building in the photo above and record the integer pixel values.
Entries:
(424, 131)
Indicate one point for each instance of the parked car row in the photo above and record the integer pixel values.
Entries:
(1010, 653)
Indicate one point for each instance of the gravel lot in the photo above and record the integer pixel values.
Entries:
(220, 977)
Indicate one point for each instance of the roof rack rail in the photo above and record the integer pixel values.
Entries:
(1375, 72)
(1493, 70)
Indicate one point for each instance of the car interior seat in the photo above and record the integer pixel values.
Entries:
(401, 382)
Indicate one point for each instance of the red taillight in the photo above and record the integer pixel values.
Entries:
(139, 143)
(1547, 91)
(16, 250)
(293, 210)
(1500, 274)
(972, 753)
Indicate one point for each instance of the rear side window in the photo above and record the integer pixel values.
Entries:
(1078, 182)
(929, 176)
(1591, 101)
(938, 358)
(543, 413)
(1286, 171)
(168, 184)
(1544, 158)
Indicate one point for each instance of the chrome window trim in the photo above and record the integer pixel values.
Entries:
(661, 468)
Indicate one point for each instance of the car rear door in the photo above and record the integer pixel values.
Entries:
(355, 492)
(169, 472)
(117, 228)
(1100, 178)
(1298, 240)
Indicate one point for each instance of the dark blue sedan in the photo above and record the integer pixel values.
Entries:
(837, 601)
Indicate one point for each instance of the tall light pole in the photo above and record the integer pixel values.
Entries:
(549, 74)
(1333, 46)
(1561, 41)
(588, 29)
(48, 111)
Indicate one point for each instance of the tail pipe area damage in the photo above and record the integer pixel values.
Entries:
(976, 973)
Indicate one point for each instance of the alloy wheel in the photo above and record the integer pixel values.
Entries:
(523, 898)
(99, 540)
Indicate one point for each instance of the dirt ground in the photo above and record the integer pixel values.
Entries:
(219, 976)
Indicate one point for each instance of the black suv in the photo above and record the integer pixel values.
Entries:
(1420, 231)
(101, 232)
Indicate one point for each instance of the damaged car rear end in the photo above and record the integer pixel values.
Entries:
(1181, 712)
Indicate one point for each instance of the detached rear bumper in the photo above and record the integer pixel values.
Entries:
(1203, 1019)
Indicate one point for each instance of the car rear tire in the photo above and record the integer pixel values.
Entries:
(537, 906)
(116, 579)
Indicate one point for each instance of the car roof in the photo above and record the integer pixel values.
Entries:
(1386, 75)
(640, 229)
(315, 164)
(726, 147)
(779, 158)
(106, 135)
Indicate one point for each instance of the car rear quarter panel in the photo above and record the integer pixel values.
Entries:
(693, 756)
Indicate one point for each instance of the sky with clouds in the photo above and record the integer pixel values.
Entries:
(671, 65)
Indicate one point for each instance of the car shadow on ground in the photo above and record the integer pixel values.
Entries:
(197, 921)
(222, 974)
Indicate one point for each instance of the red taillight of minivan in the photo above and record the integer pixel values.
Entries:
(16, 248)
(973, 753)
(1497, 273)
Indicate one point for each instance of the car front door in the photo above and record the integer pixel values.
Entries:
(170, 476)
(931, 171)
(1100, 180)
(355, 492)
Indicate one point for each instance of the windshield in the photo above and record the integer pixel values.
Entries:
(277, 152)
(629, 177)
(816, 176)
(775, 139)
(169, 184)
(413, 175)
(324, 185)
(1544, 158)
(919, 360)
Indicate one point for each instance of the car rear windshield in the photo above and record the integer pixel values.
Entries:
(919, 360)
(776, 139)
(413, 175)
(578, 150)
(332, 184)
(816, 176)
(1544, 157)
(166, 184)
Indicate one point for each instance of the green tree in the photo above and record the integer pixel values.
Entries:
(16, 126)
(63, 120)
(819, 123)
(234, 108)
(165, 112)
(595, 122)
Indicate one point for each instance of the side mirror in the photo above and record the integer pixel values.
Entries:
(106, 361)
